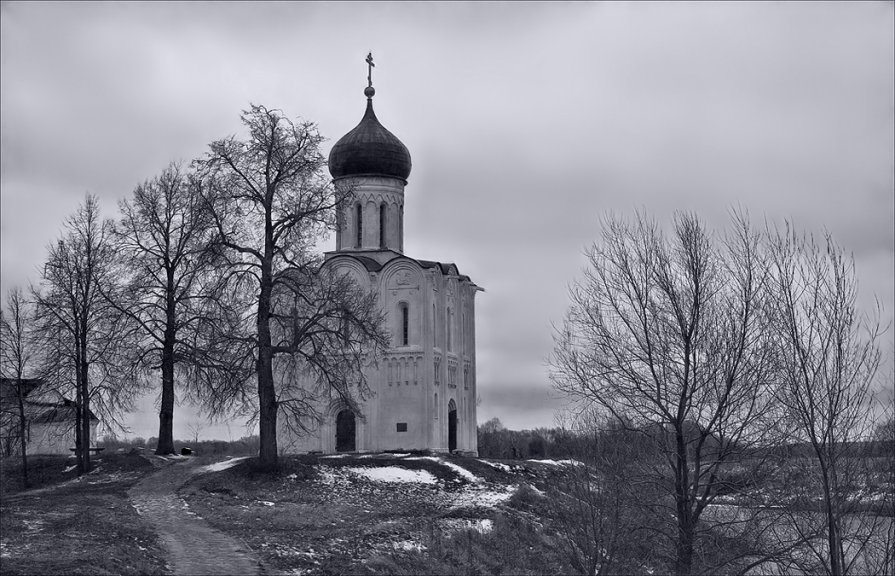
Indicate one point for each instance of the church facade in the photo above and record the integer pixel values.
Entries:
(424, 387)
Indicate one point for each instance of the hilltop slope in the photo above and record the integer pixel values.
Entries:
(384, 513)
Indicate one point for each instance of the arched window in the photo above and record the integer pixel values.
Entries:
(452, 425)
(401, 227)
(434, 329)
(359, 211)
(404, 315)
(382, 225)
(450, 323)
(340, 218)
(345, 325)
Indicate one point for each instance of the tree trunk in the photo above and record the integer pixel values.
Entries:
(683, 565)
(22, 432)
(266, 392)
(85, 416)
(79, 416)
(267, 414)
(829, 488)
(166, 413)
(833, 541)
(84, 404)
(267, 396)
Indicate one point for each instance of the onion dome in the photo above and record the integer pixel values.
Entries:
(369, 150)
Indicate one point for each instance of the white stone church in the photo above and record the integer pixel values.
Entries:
(424, 389)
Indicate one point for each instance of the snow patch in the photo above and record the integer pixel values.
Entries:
(535, 489)
(498, 465)
(331, 477)
(395, 474)
(408, 546)
(469, 476)
(556, 462)
(480, 525)
(334, 456)
(265, 502)
(217, 467)
(483, 498)
(33, 525)
(463, 472)
(69, 468)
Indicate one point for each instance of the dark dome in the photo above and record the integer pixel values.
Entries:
(369, 149)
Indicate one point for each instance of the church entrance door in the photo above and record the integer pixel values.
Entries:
(345, 431)
(452, 426)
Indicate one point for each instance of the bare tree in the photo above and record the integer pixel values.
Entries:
(670, 336)
(599, 510)
(17, 355)
(271, 202)
(73, 313)
(331, 331)
(829, 359)
(195, 429)
(163, 236)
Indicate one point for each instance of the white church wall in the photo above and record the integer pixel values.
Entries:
(438, 358)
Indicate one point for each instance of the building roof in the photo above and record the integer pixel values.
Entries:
(8, 387)
(56, 413)
(41, 405)
(446, 268)
(369, 150)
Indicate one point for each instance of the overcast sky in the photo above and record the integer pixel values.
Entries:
(525, 123)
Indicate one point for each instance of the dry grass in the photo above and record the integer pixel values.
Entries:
(314, 517)
(42, 471)
(80, 526)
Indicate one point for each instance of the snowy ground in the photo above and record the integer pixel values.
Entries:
(355, 508)
(394, 474)
(218, 466)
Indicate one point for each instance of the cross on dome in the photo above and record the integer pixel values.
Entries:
(369, 91)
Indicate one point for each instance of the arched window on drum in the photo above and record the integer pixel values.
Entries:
(359, 221)
(403, 324)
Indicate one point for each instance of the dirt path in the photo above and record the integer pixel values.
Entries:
(194, 547)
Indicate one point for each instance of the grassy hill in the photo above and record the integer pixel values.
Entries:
(386, 514)
(392, 513)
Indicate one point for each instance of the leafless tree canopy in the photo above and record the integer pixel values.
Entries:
(829, 356)
(333, 329)
(271, 201)
(93, 338)
(670, 335)
(717, 350)
(17, 356)
(169, 288)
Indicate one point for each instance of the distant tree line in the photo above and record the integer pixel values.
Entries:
(245, 446)
(496, 441)
(558, 443)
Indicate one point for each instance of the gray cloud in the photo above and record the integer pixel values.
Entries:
(526, 122)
